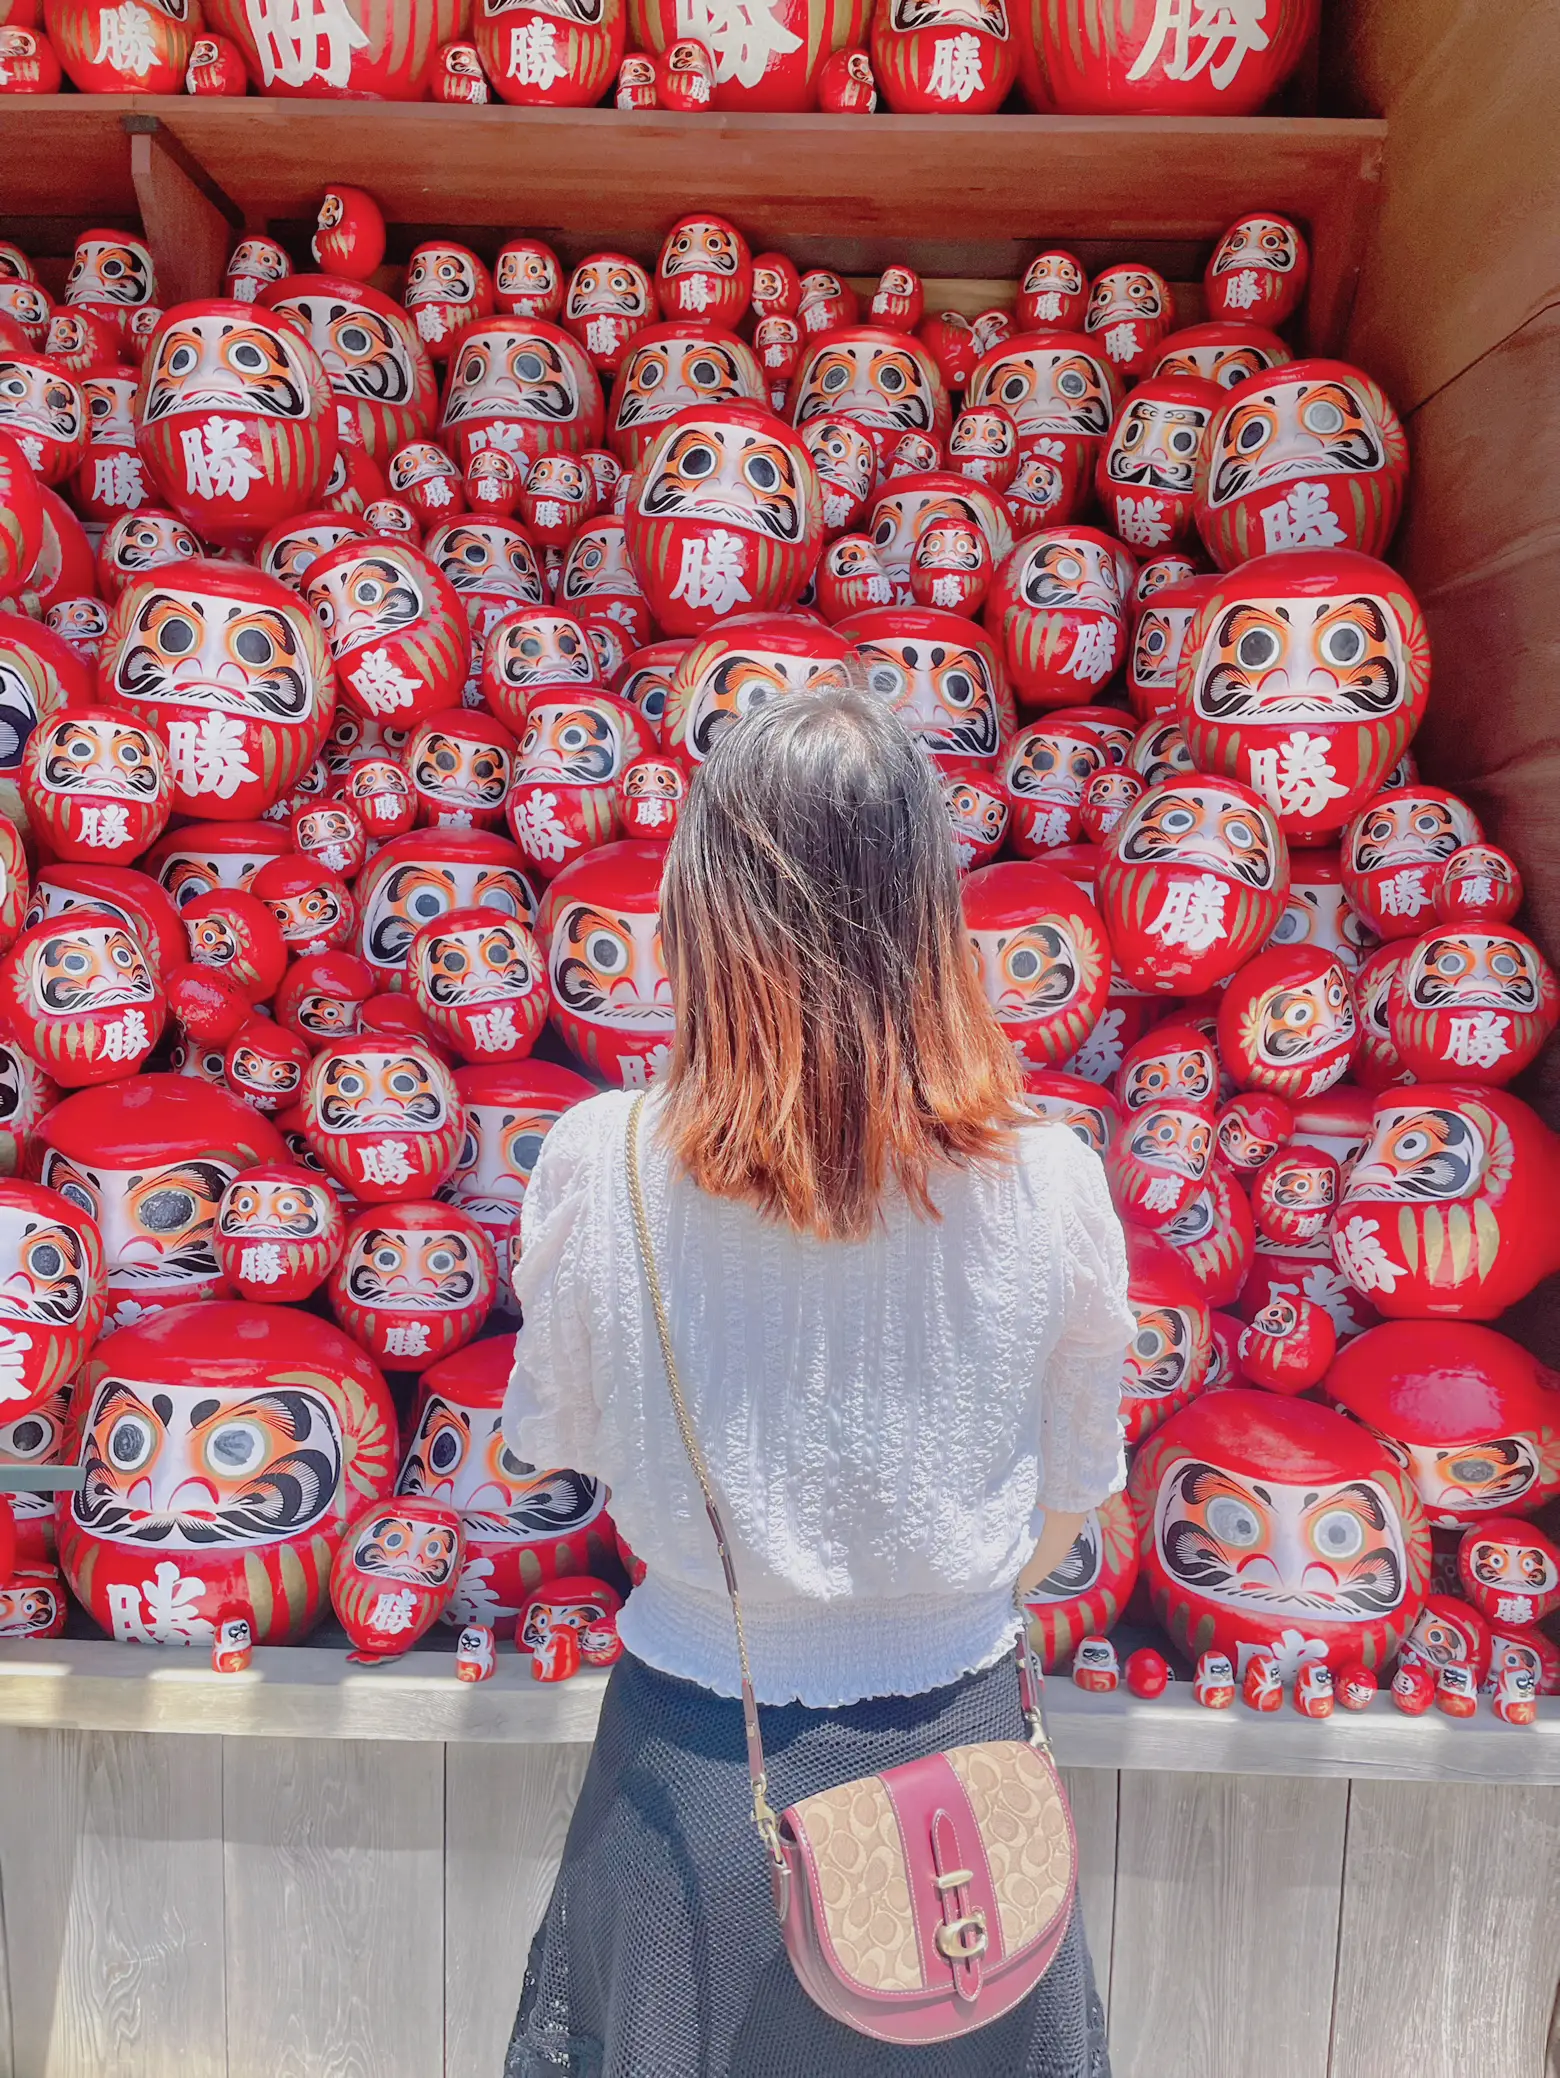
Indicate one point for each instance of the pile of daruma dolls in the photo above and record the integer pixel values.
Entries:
(922, 57)
(339, 778)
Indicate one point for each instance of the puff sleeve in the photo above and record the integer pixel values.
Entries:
(550, 1414)
(1082, 1459)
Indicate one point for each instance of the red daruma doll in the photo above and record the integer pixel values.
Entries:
(278, 1234)
(97, 786)
(480, 980)
(395, 627)
(383, 1116)
(414, 1282)
(612, 998)
(395, 1574)
(1042, 956)
(53, 1293)
(81, 994)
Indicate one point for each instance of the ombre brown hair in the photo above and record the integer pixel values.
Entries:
(832, 1036)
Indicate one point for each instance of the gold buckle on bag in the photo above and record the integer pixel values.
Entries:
(962, 1940)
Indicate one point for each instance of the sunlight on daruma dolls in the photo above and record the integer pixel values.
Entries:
(1309, 455)
(1085, 1594)
(415, 1281)
(612, 997)
(480, 980)
(394, 1575)
(524, 1524)
(53, 1294)
(382, 1115)
(1167, 1359)
(1041, 954)
(741, 665)
(725, 515)
(279, 1233)
(235, 421)
(233, 674)
(97, 786)
(1449, 1209)
(1472, 1415)
(1274, 1525)
(225, 1448)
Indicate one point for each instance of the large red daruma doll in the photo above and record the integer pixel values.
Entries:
(232, 672)
(564, 801)
(886, 383)
(1084, 1596)
(1305, 675)
(942, 675)
(418, 877)
(1474, 1418)
(725, 515)
(671, 366)
(235, 421)
(742, 665)
(1192, 883)
(521, 384)
(525, 1524)
(1159, 57)
(1309, 455)
(612, 996)
(225, 1447)
(379, 370)
(1042, 957)
(53, 1294)
(1274, 1525)
(1450, 1208)
(554, 54)
(377, 50)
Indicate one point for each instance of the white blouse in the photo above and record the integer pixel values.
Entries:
(881, 1417)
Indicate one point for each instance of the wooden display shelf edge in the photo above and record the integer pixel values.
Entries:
(309, 1692)
(884, 184)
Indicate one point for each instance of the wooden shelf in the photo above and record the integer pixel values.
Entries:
(952, 195)
(310, 1692)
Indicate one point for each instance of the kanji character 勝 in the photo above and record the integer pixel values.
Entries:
(1232, 28)
(533, 54)
(1094, 651)
(1301, 519)
(540, 831)
(956, 69)
(300, 41)
(117, 481)
(407, 1338)
(1478, 1041)
(381, 684)
(209, 756)
(1192, 913)
(743, 37)
(14, 1346)
(107, 825)
(260, 1262)
(386, 1163)
(1363, 1258)
(217, 463)
(126, 40)
(1296, 776)
(711, 573)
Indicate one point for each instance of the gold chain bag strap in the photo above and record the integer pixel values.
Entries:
(919, 1904)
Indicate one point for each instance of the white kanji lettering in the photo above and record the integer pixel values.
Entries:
(539, 830)
(431, 322)
(1142, 522)
(1363, 1259)
(395, 1610)
(474, 1600)
(1296, 776)
(1120, 341)
(14, 1346)
(127, 40)
(437, 493)
(1192, 913)
(1048, 307)
(533, 54)
(1215, 24)
(217, 464)
(652, 812)
(494, 1030)
(946, 591)
(32, 447)
(300, 41)
(106, 826)
(117, 480)
(386, 1163)
(1477, 1042)
(162, 1611)
(1094, 652)
(600, 335)
(956, 70)
(260, 1262)
(693, 291)
(1403, 894)
(1243, 289)
(208, 756)
(1302, 519)
(711, 572)
(1514, 1608)
(1099, 1057)
(837, 506)
(640, 1070)
(407, 1338)
(381, 684)
(1161, 1193)
(549, 513)
(1477, 889)
(743, 37)
(127, 1039)
(1048, 826)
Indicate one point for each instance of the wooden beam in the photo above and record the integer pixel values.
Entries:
(188, 224)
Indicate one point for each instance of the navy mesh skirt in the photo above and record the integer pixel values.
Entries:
(660, 1955)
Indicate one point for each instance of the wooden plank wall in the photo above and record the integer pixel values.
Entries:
(1458, 313)
(186, 1907)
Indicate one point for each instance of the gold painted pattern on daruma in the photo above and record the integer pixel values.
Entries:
(863, 1885)
(1023, 1823)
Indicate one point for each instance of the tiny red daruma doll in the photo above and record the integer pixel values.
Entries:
(1467, 1001)
(53, 1294)
(1306, 676)
(475, 1655)
(278, 1233)
(265, 1064)
(383, 1116)
(235, 421)
(1044, 773)
(576, 1605)
(418, 876)
(216, 67)
(1130, 312)
(943, 57)
(394, 1574)
(397, 633)
(83, 998)
(724, 515)
(1095, 1667)
(232, 1646)
(232, 673)
(96, 785)
(1481, 885)
(1510, 1570)
(1287, 1345)
(1259, 270)
(1042, 957)
(1276, 1526)
(1308, 455)
(705, 270)
(650, 794)
(1213, 1684)
(414, 1282)
(1086, 1593)
(611, 995)
(1053, 291)
(480, 980)
(225, 1448)
(447, 289)
(1192, 883)
(349, 233)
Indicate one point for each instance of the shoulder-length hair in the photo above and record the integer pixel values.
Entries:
(832, 1034)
